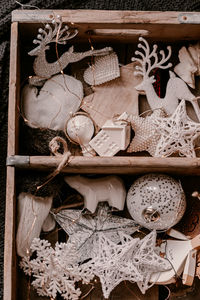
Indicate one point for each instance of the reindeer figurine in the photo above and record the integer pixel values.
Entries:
(176, 87)
(59, 35)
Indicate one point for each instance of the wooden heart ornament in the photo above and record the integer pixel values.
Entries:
(52, 105)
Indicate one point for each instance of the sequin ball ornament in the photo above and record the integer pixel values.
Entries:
(178, 134)
(146, 133)
(105, 68)
(156, 201)
(80, 129)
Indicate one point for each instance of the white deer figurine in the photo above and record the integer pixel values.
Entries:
(59, 35)
(176, 87)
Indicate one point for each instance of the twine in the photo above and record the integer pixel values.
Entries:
(54, 146)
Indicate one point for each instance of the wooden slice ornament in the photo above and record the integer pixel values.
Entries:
(114, 97)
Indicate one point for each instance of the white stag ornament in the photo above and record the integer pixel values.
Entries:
(176, 88)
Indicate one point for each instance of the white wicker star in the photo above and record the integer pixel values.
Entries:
(146, 135)
(134, 260)
(84, 230)
(148, 261)
(178, 134)
(111, 264)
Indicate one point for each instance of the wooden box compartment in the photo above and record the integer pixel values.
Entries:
(121, 30)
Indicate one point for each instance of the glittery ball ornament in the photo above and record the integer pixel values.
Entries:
(156, 201)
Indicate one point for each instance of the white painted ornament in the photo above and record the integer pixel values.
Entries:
(52, 105)
(94, 190)
(189, 65)
(32, 213)
(156, 201)
(176, 88)
(182, 257)
(114, 136)
(80, 129)
(60, 35)
(104, 69)
(177, 134)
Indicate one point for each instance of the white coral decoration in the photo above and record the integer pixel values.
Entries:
(55, 270)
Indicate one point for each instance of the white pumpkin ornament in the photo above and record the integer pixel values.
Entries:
(80, 129)
(156, 201)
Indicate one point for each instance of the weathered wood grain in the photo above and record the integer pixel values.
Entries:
(119, 164)
(9, 248)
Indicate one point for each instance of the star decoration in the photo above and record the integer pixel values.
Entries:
(178, 133)
(55, 270)
(134, 260)
(84, 230)
(111, 264)
(149, 261)
(146, 133)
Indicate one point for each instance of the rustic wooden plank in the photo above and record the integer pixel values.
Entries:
(9, 239)
(14, 88)
(9, 245)
(114, 97)
(119, 164)
(97, 16)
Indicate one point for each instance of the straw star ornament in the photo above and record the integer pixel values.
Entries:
(146, 134)
(178, 134)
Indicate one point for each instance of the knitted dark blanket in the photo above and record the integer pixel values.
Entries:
(5, 20)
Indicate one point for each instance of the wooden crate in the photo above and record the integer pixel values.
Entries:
(117, 27)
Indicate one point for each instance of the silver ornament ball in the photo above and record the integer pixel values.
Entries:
(156, 201)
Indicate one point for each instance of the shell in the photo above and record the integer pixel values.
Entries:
(189, 65)
(51, 108)
(159, 193)
(105, 68)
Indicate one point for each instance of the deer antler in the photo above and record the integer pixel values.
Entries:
(149, 60)
(57, 34)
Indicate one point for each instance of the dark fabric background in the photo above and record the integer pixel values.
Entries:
(5, 18)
